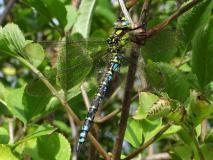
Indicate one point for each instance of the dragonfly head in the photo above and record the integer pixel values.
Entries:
(122, 23)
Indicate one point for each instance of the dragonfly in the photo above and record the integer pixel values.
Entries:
(77, 57)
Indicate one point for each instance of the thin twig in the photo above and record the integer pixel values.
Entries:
(143, 35)
(148, 143)
(125, 12)
(131, 3)
(85, 97)
(144, 12)
(160, 156)
(107, 117)
(7, 9)
(11, 130)
(74, 138)
(204, 129)
(64, 104)
(126, 103)
(167, 21)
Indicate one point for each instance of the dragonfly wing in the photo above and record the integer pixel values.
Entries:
(73, 65)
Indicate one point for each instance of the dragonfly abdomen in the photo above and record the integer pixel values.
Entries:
(115, 42)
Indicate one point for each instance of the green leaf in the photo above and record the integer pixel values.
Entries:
(151, 127)
(207, 151)
(133, 133)
(165, 77)
(140, 131)
(6, 153)
(146, 100)
(192, 20)
(104, 9)
(71, 17)
(28, 148)
(25, 106)
(202, 57)
(54, 146)
(34, 53)
(199, 109)
(83, 23)
(50, 10)
(62, 126)
(13, 38)
(161, 47)
(183, 151)
(73, 57)
(4, 136)
(41, 130)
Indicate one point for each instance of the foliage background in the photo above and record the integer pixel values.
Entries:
(178, 68)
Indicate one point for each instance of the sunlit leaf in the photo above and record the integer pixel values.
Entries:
(83, 22)
(6, 153)
(34, 53)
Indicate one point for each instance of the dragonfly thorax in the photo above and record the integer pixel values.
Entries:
(122, 23)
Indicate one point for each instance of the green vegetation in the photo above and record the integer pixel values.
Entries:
(51, 52)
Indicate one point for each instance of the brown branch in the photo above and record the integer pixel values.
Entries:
(127, 98)
(167, 21)
(7, 9)
(148, 143)
(107, 117)
(75, 3)
(126, 104)
(131, 3)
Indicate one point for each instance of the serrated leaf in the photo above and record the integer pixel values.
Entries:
(13, 38)
(192, 20)
(6, 153)
(54, 146)
(34, 53)
(202, 57)
(161, 47)
(83, 23)
(146, 100)
(165, 77)
(73, 57)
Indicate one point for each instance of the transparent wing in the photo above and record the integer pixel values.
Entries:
(73, 61)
